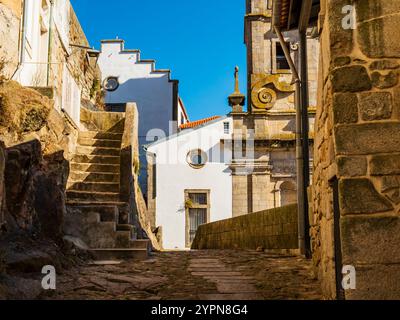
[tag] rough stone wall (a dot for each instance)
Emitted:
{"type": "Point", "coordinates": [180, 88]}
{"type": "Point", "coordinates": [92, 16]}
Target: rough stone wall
{"type": "Point", "coordinates": [2, 189]}
{"type": "Point", "coordinates": [358, 143]}
{"type": "Point", "coordinates": [271, 229]}
{"type": "Point", "coordinates": [39, 145]}
{"type": "Point", "coordinates": [81, 67]}
{"type": "Point", "coordinates": [10, 17]}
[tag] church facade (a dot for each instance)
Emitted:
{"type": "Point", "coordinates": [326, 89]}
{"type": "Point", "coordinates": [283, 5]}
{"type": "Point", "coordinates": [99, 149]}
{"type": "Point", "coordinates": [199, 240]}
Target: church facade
{"type": "Point", "coordinates": [264, 172]}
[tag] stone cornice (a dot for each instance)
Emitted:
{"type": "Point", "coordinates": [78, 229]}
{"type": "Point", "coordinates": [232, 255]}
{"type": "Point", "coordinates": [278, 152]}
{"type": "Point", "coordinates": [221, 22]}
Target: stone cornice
{"type": "Point", "coordinates": [258, 16]}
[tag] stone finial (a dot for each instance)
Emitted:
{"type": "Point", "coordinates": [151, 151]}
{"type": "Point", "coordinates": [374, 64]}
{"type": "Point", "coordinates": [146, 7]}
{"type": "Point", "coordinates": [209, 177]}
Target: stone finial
{"type": "Point", "coordinates": [237, 99]}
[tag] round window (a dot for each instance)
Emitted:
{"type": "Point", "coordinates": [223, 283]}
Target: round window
{"type": "Point", "coordinates": [197, 159]}
{"type": "Point", "coordinates": [111, 84]}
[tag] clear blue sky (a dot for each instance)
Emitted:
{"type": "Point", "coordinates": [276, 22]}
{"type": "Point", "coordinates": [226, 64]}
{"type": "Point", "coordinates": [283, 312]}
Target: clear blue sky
{"type": "Point", "coordinates": [200, 41]}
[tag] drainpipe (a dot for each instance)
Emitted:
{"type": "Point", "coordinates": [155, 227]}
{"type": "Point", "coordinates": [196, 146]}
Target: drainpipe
{"type": "Point", "coordinates": [49, 58]}
{"type": "Point", "coordinates": [305, 136]}
{"type": "Point", "coordinates": [302, 199]}
{"type": "Point", "coordinates": [21, 42]}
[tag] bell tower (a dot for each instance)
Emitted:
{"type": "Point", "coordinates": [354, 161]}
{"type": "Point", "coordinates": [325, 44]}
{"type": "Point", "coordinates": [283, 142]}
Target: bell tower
{"type": "Point", "coordinates": [264, 172]}
{"type": "Point", "coordinates": [269, 75]}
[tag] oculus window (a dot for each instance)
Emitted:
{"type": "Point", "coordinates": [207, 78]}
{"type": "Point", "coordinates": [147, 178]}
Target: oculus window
{"type": "Point", "coordinates": [197, 159]}
{"type": "Point", "coordinates": [111, 84]}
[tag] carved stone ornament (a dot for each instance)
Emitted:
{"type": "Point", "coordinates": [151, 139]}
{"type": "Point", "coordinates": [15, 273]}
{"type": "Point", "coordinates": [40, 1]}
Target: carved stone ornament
{"type": "Point", "coordinates": [263, 96]}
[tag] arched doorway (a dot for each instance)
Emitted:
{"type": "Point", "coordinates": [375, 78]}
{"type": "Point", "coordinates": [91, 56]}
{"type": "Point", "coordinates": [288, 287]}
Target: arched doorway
{"type": "Point", "coordinates": [288, 193]}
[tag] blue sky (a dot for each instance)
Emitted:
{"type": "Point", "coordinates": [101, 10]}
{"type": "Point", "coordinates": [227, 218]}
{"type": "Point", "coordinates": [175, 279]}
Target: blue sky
{"type": "Point", "coordinates": [200, 41]}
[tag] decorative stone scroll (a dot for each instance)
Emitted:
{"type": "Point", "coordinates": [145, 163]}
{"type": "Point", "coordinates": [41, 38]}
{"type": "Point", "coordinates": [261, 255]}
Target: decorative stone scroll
{"type": "Point", "coordinates": [263, 96]}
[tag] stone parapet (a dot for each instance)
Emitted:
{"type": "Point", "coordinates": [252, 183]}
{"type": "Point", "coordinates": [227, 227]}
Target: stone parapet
{"type": "Point", "coordinates": [269, 230]}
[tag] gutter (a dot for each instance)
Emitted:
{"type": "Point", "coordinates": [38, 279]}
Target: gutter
{"type": "Point", "coordinates": [302, 198]}
{"type": "Point", "coordinates": [302, 122]}
{"type": "Point", "coordinates": [21, 40]}
{"type": "Point", "coordinates": [50, 41]}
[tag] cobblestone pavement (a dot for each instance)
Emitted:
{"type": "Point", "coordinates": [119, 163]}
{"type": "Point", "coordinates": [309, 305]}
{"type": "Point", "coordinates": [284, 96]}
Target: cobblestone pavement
{"type": "Point", "coordinates": [207, 275]}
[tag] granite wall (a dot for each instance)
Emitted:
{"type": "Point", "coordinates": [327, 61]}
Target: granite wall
{"type": "Point", "coordinates": [270, 229]}
{"type": "Point", "coordinates": [356, 193]}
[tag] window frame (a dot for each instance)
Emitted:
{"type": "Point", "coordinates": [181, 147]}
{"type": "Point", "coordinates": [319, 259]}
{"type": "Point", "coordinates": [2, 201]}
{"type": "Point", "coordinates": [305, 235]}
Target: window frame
{"type": "Point", "coordinates": [227, 127]}
{"type": "Point", "coordinates": [201, 153]}
{"type": "Point", "coordinates": [188, 192]}
{"type": "Point", "coordinates": [275, 70]}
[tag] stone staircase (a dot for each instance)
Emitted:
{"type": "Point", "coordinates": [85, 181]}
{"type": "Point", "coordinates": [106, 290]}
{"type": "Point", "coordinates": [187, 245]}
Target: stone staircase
{"type": "Point", "coordinates": [93, 199]}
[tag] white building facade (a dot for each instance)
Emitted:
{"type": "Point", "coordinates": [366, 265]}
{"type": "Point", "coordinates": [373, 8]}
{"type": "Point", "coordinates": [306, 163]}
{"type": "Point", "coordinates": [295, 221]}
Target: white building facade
{"type": "Point", "coordinates": [128, 78]}
{"type": "Point", "coordinates": [44, 55]}
{"type": "Point", "coordinates": [190, 181]}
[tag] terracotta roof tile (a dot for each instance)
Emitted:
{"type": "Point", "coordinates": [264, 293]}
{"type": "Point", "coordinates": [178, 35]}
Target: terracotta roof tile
{"type": "Point", "coordinates": [194, 124]}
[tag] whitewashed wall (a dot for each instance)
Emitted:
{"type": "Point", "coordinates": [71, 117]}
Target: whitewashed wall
{"type": "Point", "coordinates": [174, 176]}
{"type": "Point", "coordinates": [152, 91]}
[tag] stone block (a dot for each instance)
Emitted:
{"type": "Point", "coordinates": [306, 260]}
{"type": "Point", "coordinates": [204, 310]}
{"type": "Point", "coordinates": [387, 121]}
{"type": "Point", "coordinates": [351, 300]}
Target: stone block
{"type": "Point", "coordinates": [359, 196]}
{"type": "Point", "coordinates": [369, 9]}
{"type": "Point", "coordinates": [376, 282]}
{"type": "Point", "coordinates": [342, 61]}
{"type": "Point", "coordinates": [384, 65]}
{"type": "Point", "coordinates": [345, 108]}
{"type": "Point", "coordinates": [370, 240]}
{"type": "Point", "coordinates": [351, 79]}
{"type": "Point", "coordinates": [385, 165]}
{"type": "Point", "coordinates": [391, 188]}
{"type": "Point", "coordinates": [384, 81]}
{"type": "Point", "coordinates": [341, 40]}
{"type": "Point", "coordinates": [376, 106]}
{"type": "Point", "coordinates": [368, 138]}
{"type": "Point", "coordinates": [352, 166]}
{"type": "Point", "coordinates": [376, 38]}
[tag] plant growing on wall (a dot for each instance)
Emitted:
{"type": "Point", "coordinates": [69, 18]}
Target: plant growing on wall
{"type": "Point", "coordinates": [3, 63]}
{"type": "Point", "coordinates": [189, 203]}
{"type": "Point", "coordinates": [136, 166]}
{"type": "Point", "coordinates": [95, 89]}
{"type": "Point", "coordinates": [97, 94]}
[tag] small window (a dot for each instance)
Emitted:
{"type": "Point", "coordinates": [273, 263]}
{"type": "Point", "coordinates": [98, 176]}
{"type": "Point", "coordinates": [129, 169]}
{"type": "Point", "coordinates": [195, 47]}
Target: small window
{"type": "Point", "coordinates": [111, 84]}
{"type": "Point", "coordinates": [281, 62]}
{"type": "Point", "coordinates": [197, 159]}
{"type": "Point", "coordinates": [227, 127]}
{"type": "Point", "coordinates": [197, 212]}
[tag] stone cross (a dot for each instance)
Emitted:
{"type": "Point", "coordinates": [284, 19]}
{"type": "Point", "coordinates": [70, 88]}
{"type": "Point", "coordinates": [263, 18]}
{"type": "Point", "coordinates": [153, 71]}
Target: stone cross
{"type": "Point", "coordinates": [236, 99]}
{"type": "Point", "coordinates": [237, 80]}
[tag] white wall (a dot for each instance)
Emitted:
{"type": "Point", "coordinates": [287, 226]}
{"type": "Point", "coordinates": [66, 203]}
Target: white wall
{"type": "Point", "coordinates": [174, 176]}
{"type": "Point", "coordinates": [34, 64]}
{"type": "Point", "coordinates": [152, 92]}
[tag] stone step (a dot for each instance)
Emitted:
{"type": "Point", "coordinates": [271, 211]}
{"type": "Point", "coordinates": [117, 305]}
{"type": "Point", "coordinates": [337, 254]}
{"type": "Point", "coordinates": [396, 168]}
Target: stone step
{"type": "Point", "coordinates": [89, 167]}
{"type": "Point", "coordinates": [125, 227]}
{"type": "Point", "coordinates": [99, 143]}
{"type": "Point", "coordinates": [123, 239]}
{"type": "Point", "coordinates": [106, 213]}
{"type": "Point", "coordinates": [82, 158]}
{"type": "Point", "coordinates": [92, 196]}
{"type": "Point", "coordinates": [119, 254]}
{"type": "Point", "coordinates": [100, 135]}
{"type": "Point", "coordinates": [141, 244]}
{"type": "Point", "coordinates": [79, 176]}
{"type": "Point", "coordinates": [93, 186]}
{"type": "Point", "coordinates": [98, 151]}
{"type": "Point", "coordinates": [93, 203]}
